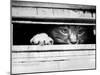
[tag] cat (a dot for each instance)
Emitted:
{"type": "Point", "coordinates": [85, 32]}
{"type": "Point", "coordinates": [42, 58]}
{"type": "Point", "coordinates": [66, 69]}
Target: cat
{"type": "Point", "coordinates": [61, 35]}
{"type": "Point", "coordinates": [69, 34]}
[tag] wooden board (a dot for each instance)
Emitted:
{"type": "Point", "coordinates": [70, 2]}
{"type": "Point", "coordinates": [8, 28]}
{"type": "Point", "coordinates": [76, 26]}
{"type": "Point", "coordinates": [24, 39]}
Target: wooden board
{"type": "Point", "coordinates": [32, 59]}
{"type": "Point", "coordinates": [32, 62]}
{"type": "Point", "coordinates": [50, 13]}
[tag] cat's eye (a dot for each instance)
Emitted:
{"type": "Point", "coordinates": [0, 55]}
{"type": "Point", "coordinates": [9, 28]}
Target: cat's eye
{"type": "Point", "coordinates": [80, 31]}
{"type": "Point", "coordinates": [64, 30]}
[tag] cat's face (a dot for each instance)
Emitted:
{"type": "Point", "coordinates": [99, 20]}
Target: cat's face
{"type": "Point", "coordinates": [68, 34]}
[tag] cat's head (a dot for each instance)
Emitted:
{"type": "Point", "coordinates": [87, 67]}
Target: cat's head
{"type": "Point", "coordinates": [76, 34]}
{"type": "Point", "coordinates": [69, 34]}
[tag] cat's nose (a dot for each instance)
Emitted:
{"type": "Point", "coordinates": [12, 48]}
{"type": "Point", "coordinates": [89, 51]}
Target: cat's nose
{"type": "Point", "coordinates": [74, 42]}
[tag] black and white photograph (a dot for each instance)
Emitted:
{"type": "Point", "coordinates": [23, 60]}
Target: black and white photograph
{"type": "Point", "coordinates": [52, 37]}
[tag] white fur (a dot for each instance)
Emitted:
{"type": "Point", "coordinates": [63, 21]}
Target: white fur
{"type": "Point", "coordinates": [41, 39]}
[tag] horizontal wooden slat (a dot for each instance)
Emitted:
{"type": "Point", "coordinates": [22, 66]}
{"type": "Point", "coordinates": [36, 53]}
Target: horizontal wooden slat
{"type": "Point", "coordinates": [50, 5]}
{"type": "Point", "coordinates": [32, 62]}
{"type": "Point", "coordinates": [52, 23]}
{"type": "Point", "coordinates": [51, 13]}
{"type": "Point", "coordinates": [28, 12]}
{"type": "Point", "coordinates": [49, 59]}
{"type": "Point", "coordinates": [52, 54]}
{"type": "Point", "coordinates": [43, 64]}
{"type": "Point", "coordinates": [52, 47]}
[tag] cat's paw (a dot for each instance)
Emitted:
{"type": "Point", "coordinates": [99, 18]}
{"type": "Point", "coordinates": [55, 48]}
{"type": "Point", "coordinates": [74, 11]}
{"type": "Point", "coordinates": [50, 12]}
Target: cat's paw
{"type": "Point", "coordinates": [41, 39]}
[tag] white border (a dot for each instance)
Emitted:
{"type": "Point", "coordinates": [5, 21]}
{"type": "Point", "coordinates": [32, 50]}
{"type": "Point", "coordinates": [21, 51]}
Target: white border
{"type": "Point", "coordinates": [5, 37]}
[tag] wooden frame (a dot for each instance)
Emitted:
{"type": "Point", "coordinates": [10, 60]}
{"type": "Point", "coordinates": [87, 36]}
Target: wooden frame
{"type": "Point", "coordinates": [22, 55]}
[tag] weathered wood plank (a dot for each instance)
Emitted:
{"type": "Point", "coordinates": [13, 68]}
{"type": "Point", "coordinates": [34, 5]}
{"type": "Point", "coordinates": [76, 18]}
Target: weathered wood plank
{"type": "Point", "coordinates": [51, 5]}
{"type": "Point", "coordinates": [52, 47]}
{"type": "Point", "coordinates": [24, 12]}
{"type": "Point", "coordinates": [50, 13]}
{"type": "Point", "coordinates": [73, 61]}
